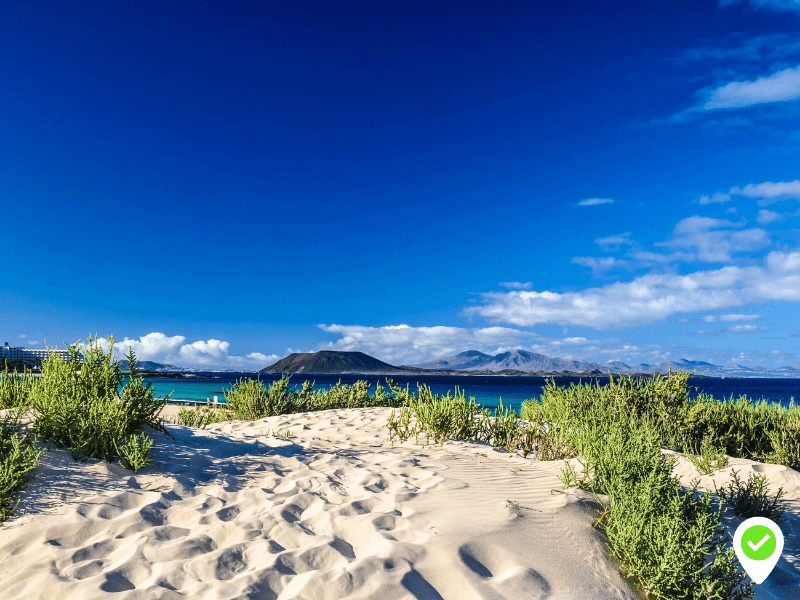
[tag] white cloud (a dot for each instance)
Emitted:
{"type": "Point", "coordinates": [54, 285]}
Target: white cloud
{"type": "Point", "coordinates": [776, 5]}
{"type": "Point", "coordinates": [765, 217]}
{"type": "Point", "coordinates": [597, 265]}
{"type": "Point", "coordinates": [711, 242]}
{"type": "Point", "coordinates": [719, 197]}
{"type": "Point", "coordinates": [697, 224]}
{"type": "Point", "coordinates": [743, 329]}
{"type": "Point", "coordinates": [516, 285]}
{"type": "Point", "coordinates": [211, 354]}
{"type": "Point", "coordinates": [595, 201]}
{"type": "Point", "coordinates": [403, 344]}
{"type": "Point", "coordinates": [782, 86]}
{"type": "Point", "coordinates": [770, 192]}
{"type": "Point", "coordinates": [612, 243]}
{"type": "Point", "coordinates": [570, 341]}
{"type": "Point", "coordinates": [739, 50]}
{"type": "Point", "coordinates": [649, 298]}
{"type": "Point", "coordinates": [204, 353]}
{"type": "Point", "coordinates": [730, 318]}
{"type": "Point", "coordinates": [662, 259]}
{"type": "Point", "coordinates": [154, 346]}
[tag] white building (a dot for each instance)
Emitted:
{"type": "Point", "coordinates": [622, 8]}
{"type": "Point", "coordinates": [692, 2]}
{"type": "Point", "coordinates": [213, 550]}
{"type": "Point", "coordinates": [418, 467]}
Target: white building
{"type": "Point", "coordinates": [28, 354]}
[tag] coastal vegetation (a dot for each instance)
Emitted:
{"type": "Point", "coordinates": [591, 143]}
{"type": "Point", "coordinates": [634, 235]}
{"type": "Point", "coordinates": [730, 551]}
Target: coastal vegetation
{"type": "Point", "coordinates": [670, 540]}
{"type": "Point", "coordinates": [251, 399]}
{"type": "Point", "coordinates": [84, 406]}
{"type": "Point", "coordinates": [19, 457]}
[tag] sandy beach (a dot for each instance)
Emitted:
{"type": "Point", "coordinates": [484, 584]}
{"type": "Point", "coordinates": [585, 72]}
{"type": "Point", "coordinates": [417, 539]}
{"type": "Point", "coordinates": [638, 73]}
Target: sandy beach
{"type": "Point", "coordinates": [332, 511]}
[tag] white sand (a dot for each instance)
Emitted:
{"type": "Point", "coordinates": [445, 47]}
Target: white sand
{"type": "Point", "coordinates": [331, 512]}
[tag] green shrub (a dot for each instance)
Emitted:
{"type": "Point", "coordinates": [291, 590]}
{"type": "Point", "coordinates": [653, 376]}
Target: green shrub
{"type": "Point", "coordinates": [135, 452]}
{"type": "Point", "coordinates": [251, 400]}
{"type": "Point", "coordinates": [340, 396]}
{"type": "Point", "coordinates": [84, 406]}
{"type": "Point", "coordinates": [15, 388]}
{"type": "Point", "coordinates": [764, 431]}
{"type": "Point", "coordinates": [401, 427]}
{"type": "Point", "coordinates": [443, 418]}
{"type": "Point", "coordinates": [671, 541]}
{"type": "Point", "coordinates": [346, 396]}
{"type": "Point", "coordinates": [752, 499]}
{"type": "Point", "coordinates": [784, 441]}
{"type": "Point", "coordinates": [202, 416]}
{"type": "Point", "coordinates": [568, 475]}
{"type": "Point", "coordinates": [19, 457]}
{"type": "Point", "coordinates": [709, 460]}
{"type": "Point", "coordinates": [502, 429]}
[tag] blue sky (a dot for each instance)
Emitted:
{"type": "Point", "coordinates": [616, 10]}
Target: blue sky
{"type": "Point", "coordinates": [219, 184]}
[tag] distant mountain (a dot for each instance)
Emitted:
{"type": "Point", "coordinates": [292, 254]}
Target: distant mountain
{"type": "Point", "coordinates": [148, 365]}
{"type": "Point", "coordinates": [463, 361]}
{"type": "Point", "coordinates": [330, 361]}
{"type": "Point", "coordinates": [516, 360]}
{"type": "Point", "coordinates": [530, 362]}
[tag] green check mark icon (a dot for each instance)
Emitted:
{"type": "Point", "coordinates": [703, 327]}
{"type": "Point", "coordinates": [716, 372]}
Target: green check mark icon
{"type": "Point", "coordinates": [758, 542]}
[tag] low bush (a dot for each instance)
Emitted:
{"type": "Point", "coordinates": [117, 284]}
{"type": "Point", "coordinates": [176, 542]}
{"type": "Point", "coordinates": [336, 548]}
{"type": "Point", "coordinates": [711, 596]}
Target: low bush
{"type": "Point", "coordinates": [134, 453]}
{"type": "Point", "coordinates": [15, 388]}
{"type": "Point", "coordinates": [19, 457]}
{"type": "Point", "coordinates": [454, 417]}
{"type": "Point", "coordinates": [84, 406]}
{"type": "Point", "coordinates": [752, 499]}
{"type": "Point", "coordinates": [401, 426]}
{"type": "Point", "coordinates": [251, 399]}
{"type": "Point", "coordinates": [202, 416]}
{"type": "Point", "coordinates": [763, 431]}
{"type": "Point", "coordinates": [708, 460]}
{"type": "Point", "coordinates": [784, 441]}
{"type": "Point", "coordinates": [447, 417]}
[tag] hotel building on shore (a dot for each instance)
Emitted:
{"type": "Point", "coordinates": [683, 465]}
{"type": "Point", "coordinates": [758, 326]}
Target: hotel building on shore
{"type": "Point", "coordinates": [12, 353]}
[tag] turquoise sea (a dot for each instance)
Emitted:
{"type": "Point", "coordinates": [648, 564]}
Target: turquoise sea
{"type": "Point", "coordinates": [486, 390]}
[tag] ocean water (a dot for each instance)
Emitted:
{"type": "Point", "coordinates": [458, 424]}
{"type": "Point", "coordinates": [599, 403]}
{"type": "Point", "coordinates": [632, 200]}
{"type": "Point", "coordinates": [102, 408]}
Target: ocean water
{"type": "Point", "coordinates": [486, 390]}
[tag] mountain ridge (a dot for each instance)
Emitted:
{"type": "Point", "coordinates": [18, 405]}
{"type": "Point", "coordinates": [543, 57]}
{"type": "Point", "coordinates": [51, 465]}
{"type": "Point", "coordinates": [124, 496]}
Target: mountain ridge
{"type": "Point", "coordinates": [523, 360]}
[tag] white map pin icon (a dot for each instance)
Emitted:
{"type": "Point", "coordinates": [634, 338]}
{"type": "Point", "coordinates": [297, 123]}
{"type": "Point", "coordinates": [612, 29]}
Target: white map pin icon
{"type": "Point", "coordinates": [758, 543]}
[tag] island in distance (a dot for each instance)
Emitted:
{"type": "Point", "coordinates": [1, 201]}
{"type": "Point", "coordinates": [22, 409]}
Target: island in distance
{"type": "Point", "coordinates": [513, 363]}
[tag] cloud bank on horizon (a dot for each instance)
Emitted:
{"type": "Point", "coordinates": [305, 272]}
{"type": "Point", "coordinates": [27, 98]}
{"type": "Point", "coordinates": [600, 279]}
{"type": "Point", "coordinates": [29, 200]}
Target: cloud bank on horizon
{"type": "Point", "coordinates": [173, 350]}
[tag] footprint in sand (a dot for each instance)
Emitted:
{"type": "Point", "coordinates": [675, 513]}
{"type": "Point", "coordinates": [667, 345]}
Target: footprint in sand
{"type": "Point", "coordinates": [496, 570]}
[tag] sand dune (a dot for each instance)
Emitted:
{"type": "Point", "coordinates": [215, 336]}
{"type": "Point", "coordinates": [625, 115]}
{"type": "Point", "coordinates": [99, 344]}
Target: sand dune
{"type": "Point", "coordinates": [331, 512]}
